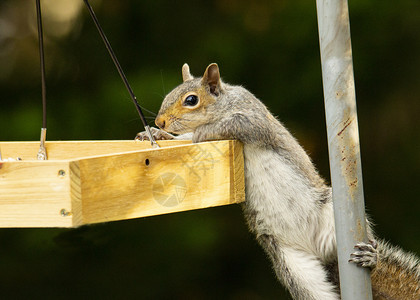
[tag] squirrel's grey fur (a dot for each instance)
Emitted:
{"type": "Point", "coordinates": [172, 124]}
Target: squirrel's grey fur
{"type": "Point", "coordinates": [288, 206]}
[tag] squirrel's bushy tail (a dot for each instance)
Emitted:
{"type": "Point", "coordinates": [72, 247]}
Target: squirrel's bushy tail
{"type": "Point", "coordinates": [397, 274]}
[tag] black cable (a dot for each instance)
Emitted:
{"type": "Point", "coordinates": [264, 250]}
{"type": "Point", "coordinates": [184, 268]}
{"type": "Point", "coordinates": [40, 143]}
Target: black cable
{"type": "Point", "coordinates": [42, 63]}
{"type": "Point", "coordinates": [120, 70]}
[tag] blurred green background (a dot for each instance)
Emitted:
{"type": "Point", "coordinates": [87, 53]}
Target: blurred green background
{"type": "Point", "coordinates": [271, 48]}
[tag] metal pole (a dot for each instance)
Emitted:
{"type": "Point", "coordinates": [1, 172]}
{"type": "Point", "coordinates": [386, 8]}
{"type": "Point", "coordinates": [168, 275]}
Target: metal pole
{"type": "Point", "coordinates": [343, 144]}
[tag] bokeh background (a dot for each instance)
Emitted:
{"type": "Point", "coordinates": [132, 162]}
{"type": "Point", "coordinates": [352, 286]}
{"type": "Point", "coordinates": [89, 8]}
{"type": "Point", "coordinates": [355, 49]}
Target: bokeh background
{"type": "Point", "coordinates": [271, 48]}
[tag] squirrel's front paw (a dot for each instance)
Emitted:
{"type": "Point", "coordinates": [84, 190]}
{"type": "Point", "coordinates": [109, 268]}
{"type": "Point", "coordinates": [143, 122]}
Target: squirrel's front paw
{"type": "Point", "coordinates": [366, 255]}
{"type": "Point", "coordinates": [202, 134]}
{"type": "Point", "coordinates": [158, 134]}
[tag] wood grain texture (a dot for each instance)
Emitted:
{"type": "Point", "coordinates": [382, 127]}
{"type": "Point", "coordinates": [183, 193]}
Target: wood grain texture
{"type": "Point", "coordinates": [237, 172]}
{"type": "Point", "coordinates": [67, 150]}
{"type": "Point", "coordinates": [160, 181]}
{"type": "Point", "coordinates": [116, 186]}
{"type": "Point", "coordinates": [32, 194]}
{"type": "Point", "coordinates": [75, 194]}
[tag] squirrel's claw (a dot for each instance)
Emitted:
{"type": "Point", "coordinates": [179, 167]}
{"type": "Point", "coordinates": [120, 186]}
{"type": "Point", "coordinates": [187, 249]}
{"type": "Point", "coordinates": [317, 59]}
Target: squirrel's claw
{"type": "Point", "coordinates": [366, 255]}
{"type": "Point", "coordinates": [158, 134]}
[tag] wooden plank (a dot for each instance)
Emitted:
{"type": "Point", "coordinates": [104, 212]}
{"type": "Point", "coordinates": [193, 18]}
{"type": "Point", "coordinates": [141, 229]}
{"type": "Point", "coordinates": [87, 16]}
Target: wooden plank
{"type": "Point", "coordinates": [68, 150]}
{"type": "Point", "coordinates": [75, 195]}
{"type": "Point", "coordinates": [161, 181]}
{"type": "Point", "coordinates": [33, 194]}
{"type": "Point", "coordinates": [73, 192]}
{"type": "Point", "coordinates": [237, 172]}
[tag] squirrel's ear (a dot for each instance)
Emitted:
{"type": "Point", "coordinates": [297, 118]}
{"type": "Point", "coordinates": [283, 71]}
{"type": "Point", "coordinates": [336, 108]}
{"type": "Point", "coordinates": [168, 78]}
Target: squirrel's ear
{"type": "Point", "coordinates": [186, 75]}
{"type": "Point", "coordinates": [212, 78]}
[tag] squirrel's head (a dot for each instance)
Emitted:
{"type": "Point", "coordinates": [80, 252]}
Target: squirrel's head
{"type": "Point", "coordinates": [187, 106]}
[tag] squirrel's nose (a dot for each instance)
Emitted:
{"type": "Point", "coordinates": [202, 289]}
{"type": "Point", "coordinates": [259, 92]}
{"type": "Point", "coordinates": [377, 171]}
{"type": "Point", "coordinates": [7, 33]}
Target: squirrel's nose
{"type": "Point", "coordinates": [160, 122]}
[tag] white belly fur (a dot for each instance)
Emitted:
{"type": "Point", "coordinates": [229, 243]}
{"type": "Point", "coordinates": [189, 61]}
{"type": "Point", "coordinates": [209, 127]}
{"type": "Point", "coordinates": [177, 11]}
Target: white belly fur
{"type": "Point", "coordinates": [286, 205]}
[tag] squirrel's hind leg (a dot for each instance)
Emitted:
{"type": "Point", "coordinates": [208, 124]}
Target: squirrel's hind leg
{"type": "Point", "coordinates": [301, 272]}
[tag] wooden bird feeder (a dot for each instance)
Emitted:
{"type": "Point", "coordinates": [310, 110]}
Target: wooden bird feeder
{"type": "Point", "coordinates": [101, 181]}
{"type": "Point", "coordinates": [88, 182]}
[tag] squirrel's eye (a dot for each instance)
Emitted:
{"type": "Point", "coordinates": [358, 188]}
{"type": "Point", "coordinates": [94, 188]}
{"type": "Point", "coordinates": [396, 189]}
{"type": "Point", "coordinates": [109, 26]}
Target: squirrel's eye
{"type": "Point", "coordinates": [191, 100]}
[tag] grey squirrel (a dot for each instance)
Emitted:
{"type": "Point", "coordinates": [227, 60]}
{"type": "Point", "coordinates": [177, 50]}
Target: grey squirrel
{"type": "Point", "coordinates": [288, 205]}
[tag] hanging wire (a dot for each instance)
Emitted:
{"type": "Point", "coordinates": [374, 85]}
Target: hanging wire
{"type": "Point", "coordinates": [121, 72]}
{"type": "Point", "coordinates": [42, 152]}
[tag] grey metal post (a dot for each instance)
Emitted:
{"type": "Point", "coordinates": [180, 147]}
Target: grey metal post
{"type": "Point", "coordinates": [343, 144]}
